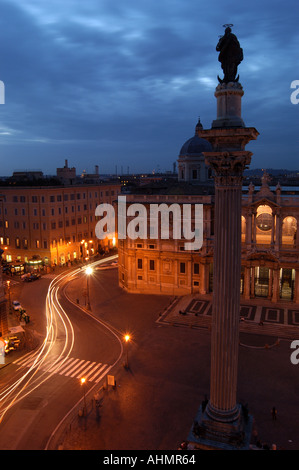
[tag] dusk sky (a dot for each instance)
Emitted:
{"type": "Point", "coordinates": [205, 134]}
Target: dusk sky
{"type": "Point", "coordinates": [122, 83]}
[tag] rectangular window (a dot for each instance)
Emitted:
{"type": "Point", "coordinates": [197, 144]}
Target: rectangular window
{"type": "Point", "coordinates": [152, 265]}
{"type": "Point", "coordinates": [196, 268]}
{"type": "Point", "coordinates": [182, 268]}
{"type": "Point", "coordinates": [139, 263]}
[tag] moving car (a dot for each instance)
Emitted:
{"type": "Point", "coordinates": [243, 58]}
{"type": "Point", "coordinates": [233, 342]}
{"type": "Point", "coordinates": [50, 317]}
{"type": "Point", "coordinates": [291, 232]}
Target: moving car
{"type": "Point", "coordinates": [16, 305]}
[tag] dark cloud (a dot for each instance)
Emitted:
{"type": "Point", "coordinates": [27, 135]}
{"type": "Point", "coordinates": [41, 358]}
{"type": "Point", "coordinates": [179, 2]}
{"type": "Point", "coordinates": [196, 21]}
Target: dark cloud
{"type": "Point", "coordinates": [123, 83]}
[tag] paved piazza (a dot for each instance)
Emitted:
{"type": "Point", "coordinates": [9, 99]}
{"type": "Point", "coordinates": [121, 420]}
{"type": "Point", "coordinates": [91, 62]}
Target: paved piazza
{"type": "Point", "coordinates": [257, 316]}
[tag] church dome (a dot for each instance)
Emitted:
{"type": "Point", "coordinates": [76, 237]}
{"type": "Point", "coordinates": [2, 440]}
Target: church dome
{"type": "Point", "coordinates": [192, 167]}
{"type": "Point", "coordinates": [196, 145]}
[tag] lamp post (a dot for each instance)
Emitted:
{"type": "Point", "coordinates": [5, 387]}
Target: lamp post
{"type": "Point", "coordinates": [88, 271]}
{"type": "Point", "coordinates": [83, 382]}
{"type": "Point", "coordinates": [127, 339]}
{"type": "Point", "coordinates": [9, 297]}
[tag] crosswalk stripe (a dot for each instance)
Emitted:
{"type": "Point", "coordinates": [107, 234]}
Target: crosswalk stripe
{"type": "Point", "coordinates": [48, 363]}
{"type": "Point", "coordinates": [92, 370]}
{"type": "Point", "coordinates": [69, 367]}
{"type": "Point", "coordinates": [29, 362]}
{"type": "Point", "coordinates": [97, 373]}
{"type": "Point", "coordinates": [56, 364]}
{"type": "Point", "coordinates": [101, 376]}
{"type": "Point", "coordinates": [75, 367]}
{"type": "Point", "coordinates": [87, 368]}
{"type": "Point", "coordinates": [71, 363]}
{"type": "Point", "coordinates": [25, 360]}
{"type": "Point", "coordinates": [80, 368]}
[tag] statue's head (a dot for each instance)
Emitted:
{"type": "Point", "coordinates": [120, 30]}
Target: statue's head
{"type": "Point", "coordinates": [228, 30]}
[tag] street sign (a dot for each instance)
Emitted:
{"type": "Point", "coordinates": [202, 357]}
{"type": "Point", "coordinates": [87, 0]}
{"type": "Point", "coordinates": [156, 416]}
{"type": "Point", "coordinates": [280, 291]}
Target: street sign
{"type": "Point", "coordinates": [111, 380]}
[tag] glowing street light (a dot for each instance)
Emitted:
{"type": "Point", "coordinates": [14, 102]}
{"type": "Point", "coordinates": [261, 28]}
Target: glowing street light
{"type": "Point", "coordinates": [88, 272]}
{"type": "Point", "coordinates": [127, 339]}
{"type": "Point", "coordinates": [83, 382]}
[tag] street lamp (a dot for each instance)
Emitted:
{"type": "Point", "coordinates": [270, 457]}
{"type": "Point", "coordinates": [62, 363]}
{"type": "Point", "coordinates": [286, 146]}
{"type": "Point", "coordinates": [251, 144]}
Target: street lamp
{"type": "Point", "coordinates": [88, 272]}
{"type": "Point", "coordinates": [83, 382]}
{"type": "Point", "coordinates": [127, 339]}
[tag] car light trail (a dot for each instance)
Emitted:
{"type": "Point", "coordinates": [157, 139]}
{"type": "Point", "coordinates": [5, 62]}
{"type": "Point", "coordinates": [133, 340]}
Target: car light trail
{"type": "Point", "coordinates": [56, 320]}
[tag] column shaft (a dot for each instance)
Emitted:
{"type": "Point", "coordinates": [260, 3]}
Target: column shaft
{"type": "Point", "coordinates": [226, 300]}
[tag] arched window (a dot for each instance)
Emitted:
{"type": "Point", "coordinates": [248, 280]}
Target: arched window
{"type": "Point", "coordinates": [243, 228]}
{"type": "Point", "coordinates": [289, 230]}
{"type": "Point", "coordinates": [264, 224]}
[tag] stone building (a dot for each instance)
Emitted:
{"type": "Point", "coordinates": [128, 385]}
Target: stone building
{"type": "Point", "coordinates": [51, 224]}
{"type": "Point", "coordinates": [270, 246]}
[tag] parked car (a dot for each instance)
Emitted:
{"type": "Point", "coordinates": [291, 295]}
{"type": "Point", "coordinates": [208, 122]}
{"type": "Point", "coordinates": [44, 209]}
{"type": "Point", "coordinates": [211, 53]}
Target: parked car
{"type": "Point", "coordinates": [16, 305]}
{"type": "Point", "coordinates": [32, 277]}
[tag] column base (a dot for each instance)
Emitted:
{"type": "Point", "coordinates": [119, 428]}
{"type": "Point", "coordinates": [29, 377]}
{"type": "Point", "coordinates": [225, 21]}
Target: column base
{"type": "Point", "coordinates": [209, 434]}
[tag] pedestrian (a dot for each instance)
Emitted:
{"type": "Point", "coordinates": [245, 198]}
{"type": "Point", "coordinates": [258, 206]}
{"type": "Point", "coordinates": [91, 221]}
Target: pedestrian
{"type": "Point", "coordinates": [274, 413]}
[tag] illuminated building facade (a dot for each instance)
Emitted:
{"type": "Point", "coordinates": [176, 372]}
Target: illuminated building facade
{"type": "Point", "coordinates": [51, 225]}
{"type": "Point", "coordinates": [270, 246]}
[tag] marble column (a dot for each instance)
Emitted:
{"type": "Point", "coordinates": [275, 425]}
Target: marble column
{"type": "Point", "coordinates": [226, 300]}
{"type": "Point", "coordinates": [222, 420]}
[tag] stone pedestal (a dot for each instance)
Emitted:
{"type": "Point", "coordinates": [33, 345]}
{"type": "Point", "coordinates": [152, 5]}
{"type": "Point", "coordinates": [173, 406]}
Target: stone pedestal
{"type": "Point", "coordinates": [223, 421]}
{"type": "Point", "coordinates": [209, 434]}
{"type": "Point", "coordinates": [229, 105]}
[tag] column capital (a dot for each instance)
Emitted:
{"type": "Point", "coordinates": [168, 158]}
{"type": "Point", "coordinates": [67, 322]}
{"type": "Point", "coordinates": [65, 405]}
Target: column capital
{"type": "Point", "coordinates": [228, 166]}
